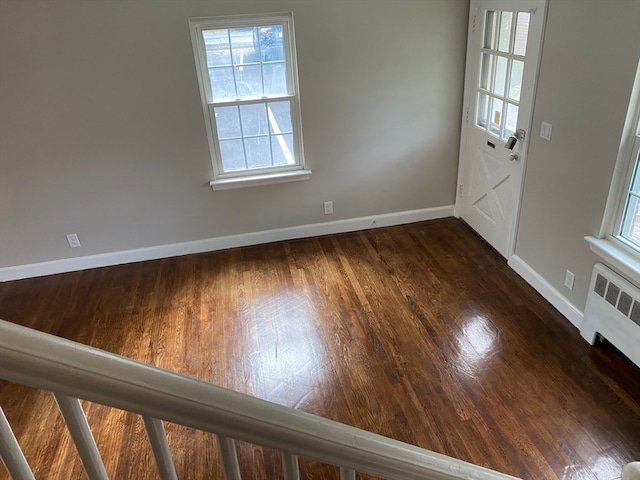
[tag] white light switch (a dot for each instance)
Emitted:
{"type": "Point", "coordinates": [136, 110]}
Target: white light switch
{"type": "Point", "coordinates": [545, 130]}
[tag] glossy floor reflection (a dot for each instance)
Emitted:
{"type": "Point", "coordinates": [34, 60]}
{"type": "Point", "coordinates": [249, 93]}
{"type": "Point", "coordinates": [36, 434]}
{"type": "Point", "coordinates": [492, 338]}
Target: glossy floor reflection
{"type": "Point", "coordinates": [418, 332]}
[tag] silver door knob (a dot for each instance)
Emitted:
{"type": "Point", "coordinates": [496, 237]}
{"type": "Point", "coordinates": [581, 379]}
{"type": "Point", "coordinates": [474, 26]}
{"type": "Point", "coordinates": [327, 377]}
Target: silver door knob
{"type": "Point", "coordinates": [514, 156]}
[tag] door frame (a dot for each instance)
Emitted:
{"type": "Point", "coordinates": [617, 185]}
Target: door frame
{"type": "Point", "coordinates": [474, 17]}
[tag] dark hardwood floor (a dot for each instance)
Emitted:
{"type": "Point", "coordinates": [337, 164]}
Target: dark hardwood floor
{"type": "Point", "coordinates": [418, 332]}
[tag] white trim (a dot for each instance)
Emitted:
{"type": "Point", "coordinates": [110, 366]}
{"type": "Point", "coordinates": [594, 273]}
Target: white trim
{"type": "Point", "coordinates": [548, 291]}
{"type": "Point", "coordinates": [257, 180]}
{"type": "Point", "coordinates": [617, 257]}
{"type": "Point", "coordinates": [220, 243]}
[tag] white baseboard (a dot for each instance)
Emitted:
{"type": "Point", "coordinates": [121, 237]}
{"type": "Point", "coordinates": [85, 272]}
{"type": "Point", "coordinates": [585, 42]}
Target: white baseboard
{"type": "Point", "coordinates": [220, 243]}
{"type": "Point", "coordinates": [544, 288]}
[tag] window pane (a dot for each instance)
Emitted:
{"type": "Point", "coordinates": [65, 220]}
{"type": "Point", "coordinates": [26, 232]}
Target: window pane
{"type": "Point", "coordinates": [279, 114]}
{"type": "Point", "coordinates": [635, 185]}
{"type": "Point", "coordinates": [489, 30]}
{"type": "Point", "coordinates": [282, 147]}
{"type": "Point", "coordinates": [275, 78]}
{"type": "Point", "coordinates": [501, 76]}
{"type": "Point", "coordinates": [504, 32]}
{"type": "Point", "coordinates": [249, 81]}
{"type": "Point", "coordinates": [258, 152]}
{"type": "Point", "coordinates": [482, 110]}
{"type": "Point", "coordinates": [216, 44]}
{"type": "Point", "coordinates": [242, 45]}
{"type": "Point", "coordinates": [227, 122]}
{"type": "Point", "coordinates": [496, 116]}
{"type": "Point", "coordinates": [232, 153]}
{"type": "Point", "coordinates": [522, 32]}
{"type": "Point", "coordinates": [222, 83]}
{"type": "Point", "coordinates": [631, 224]}
{"type": "Point", "coordinates": [511, 120]}
{"type": "Point", "coordinates": [246, 62]}
{"type": "Point", "coordinates": [271, 43]}
{"type": "Point", "coordinates": [515, 80]}
{"type": "Point", "coordinates": [485, 70]}
{"type": "Point", "coordinates": [254, 119]}
{"type": "Point", "coordinates": [630, 228]}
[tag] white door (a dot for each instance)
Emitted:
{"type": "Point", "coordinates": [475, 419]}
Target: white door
{"type": "Point", "coordinates": [503, 51]}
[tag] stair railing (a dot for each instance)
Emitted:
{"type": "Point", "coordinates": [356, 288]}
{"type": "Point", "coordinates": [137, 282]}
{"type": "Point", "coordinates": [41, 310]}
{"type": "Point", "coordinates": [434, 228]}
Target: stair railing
{"type": "Point", "coordinates": [71, 371]}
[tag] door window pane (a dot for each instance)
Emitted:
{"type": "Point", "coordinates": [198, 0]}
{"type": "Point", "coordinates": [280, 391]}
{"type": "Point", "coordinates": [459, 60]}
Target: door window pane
{"type": "Point", "coordinates": [500, 80]}
{"type": "Point", "coordinates": [522, 33]}
{"type": "Point", "coordinates": [515, 80]}
{"type": "Point", "coordinates": [504, 32]}
{"type": "Point", "coordinates": [482, 110]}
{"type": "Point", "coordinates": [511, 120]}
{"type": "Point", "coordinates": [489, 30]}
{"type": "Point", "coordinates": [485, 70]}
{"type": "Point", "coordinates": [496, 116]}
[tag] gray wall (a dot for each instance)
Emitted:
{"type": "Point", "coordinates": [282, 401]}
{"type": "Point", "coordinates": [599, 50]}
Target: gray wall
{"type": "Point", "coordinates": [102, 133]}
{"type": "Point", "coordinates": [590, 54]}
{"type": "Point", "coordinates": [101, 130]}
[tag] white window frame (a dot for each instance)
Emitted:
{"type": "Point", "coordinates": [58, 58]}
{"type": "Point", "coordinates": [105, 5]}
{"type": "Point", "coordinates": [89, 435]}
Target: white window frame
{"type": "Point", "coordinates": [615, 250]}
{"type": "Point", "coordinates": [257, 176]}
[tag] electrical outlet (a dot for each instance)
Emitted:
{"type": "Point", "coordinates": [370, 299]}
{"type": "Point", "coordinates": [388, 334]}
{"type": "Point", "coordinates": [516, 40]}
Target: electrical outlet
{"type": "Point", "coordinates": [328, 208]}
{"type": "Point", "coordinates": [74, 241]}
{"type": "Point", "coordinates": [569, 278]}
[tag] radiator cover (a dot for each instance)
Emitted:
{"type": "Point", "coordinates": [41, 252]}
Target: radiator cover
{"type": "Point", "coordinates": [613, 311]}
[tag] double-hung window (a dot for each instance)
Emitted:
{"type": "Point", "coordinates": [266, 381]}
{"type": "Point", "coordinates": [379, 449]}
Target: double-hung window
{"type": "Point", "coordinates": [248, 81]}
{"type": "Point", "coordinates": [619, 238]}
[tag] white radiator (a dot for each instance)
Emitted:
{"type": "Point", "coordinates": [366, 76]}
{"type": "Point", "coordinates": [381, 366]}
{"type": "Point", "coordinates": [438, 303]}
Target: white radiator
{"type": "Point", "coordinates": [613, 311]}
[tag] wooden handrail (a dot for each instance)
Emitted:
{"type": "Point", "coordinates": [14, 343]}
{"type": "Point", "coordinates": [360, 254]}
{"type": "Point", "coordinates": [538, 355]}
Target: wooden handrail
{"type": "Point", "coordinates": [51, 363]}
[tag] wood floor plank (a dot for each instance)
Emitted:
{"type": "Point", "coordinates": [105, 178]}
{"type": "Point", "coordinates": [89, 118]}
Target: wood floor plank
{"type": "Point", "coordinates": [419, 332]}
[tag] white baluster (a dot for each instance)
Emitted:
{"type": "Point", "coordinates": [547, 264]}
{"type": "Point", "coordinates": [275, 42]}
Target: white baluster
{"type": "Point", "coordinates": [160, 448]}
{"type": "Point", "coordinates": [347, 474]}
{"type": "Point", "coordinates": [10, 452]}
{"type": "Point", "coordinates": [229, 458]}
{"type": "Point", "coordinates": [290, 467]}
{"type": "Point", "coordinates": [80, 432]}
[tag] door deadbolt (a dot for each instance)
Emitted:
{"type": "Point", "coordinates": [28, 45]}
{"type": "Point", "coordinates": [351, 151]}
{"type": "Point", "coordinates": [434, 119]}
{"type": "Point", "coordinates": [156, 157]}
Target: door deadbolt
{"type": "Point", "coordinates": [513, 139]}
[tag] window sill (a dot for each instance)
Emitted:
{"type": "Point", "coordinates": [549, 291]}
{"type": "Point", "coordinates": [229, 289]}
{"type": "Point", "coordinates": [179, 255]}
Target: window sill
{"type": "Point", "coordinates": [257, 180]}
{"type": "Point", "coordinates": [616, 256]}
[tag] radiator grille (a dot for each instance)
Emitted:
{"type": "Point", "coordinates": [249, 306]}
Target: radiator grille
{"type": "Point", "coordinates": [617, 297]}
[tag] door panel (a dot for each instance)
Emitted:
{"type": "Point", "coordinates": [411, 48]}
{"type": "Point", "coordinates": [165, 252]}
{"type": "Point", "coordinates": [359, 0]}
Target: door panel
{"type": "Point", "coordinates": [502, 61]}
